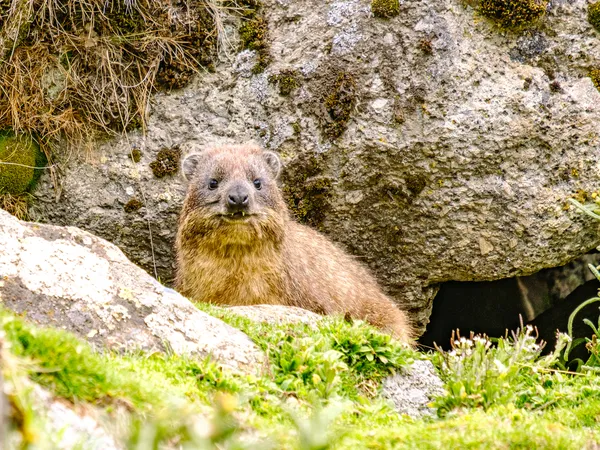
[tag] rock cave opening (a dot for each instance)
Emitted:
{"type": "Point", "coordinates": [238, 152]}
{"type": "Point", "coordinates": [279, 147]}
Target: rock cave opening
{"type": "Point", "coordinates": [544, 299]}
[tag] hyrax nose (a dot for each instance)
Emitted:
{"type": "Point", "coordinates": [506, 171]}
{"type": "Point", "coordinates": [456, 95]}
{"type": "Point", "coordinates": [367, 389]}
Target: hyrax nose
{"type": "Point", "coordinates": [237, 200]}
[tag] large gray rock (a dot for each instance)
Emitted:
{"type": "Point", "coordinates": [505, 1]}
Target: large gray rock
{"type": "Point", "coordinates": [70, 279]}
{"type": "Point", "coordinates": [463, 144]}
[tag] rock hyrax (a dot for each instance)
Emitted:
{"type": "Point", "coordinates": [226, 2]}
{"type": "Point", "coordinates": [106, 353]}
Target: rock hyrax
{"type": "Point", "coordinates": [237, 245]}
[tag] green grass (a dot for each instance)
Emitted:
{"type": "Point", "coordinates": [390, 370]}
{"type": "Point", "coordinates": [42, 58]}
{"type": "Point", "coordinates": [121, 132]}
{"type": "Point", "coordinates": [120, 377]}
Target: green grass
{"type": "Point", "coordinates": [320, 391]}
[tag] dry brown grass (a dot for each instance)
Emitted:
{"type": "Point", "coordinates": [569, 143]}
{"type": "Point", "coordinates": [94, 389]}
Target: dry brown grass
{"type": "Point", "coordinates": [17, 205]}
{"type": "Point", "coordinates": [76, 68]}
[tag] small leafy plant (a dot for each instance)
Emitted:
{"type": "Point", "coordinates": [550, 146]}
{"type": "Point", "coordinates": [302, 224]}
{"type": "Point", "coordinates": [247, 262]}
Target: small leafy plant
{"type": "Point", "coordinates": [480, 374]}
{"type": "Point", "coordinates": [304, 363]}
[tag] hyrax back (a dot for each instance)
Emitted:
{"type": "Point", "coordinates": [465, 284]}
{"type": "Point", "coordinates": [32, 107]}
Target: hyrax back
{"type": "Point", "coordinates": [237, 245]}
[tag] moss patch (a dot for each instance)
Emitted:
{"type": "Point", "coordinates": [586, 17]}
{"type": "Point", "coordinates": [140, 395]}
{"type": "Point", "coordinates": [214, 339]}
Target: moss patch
{"type": "Point", "coordinates": [595, 77]}
{"type": "Point", "coordinates": [339, 103]}
{"type": "Point", "coordinates": [416, 184]}
{"type": "Point", "coordinates": [286, 81]}
{"type": "Point", "coordinates": [19, 155]}
{"type": "Point", "coordinates": [594, 15]}
{"type": "Point", "coordinates": [306, 189]}
{"type": "Point", "coordinates": [513, 13]}
{"type": "Point", "coordinates": [133, 205]}
{"type": "Point", "coordinates": [136, 155]}
{"type": "Point", "coordinates": [166, 162]}
{"type": "Point", "coordinates": [254, 33]}
{"type": "Point", "coordinates": [385, 8]}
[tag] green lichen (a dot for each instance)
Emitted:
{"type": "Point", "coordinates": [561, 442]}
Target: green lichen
{"type": "Point", "coordinates": [19, 155]}
{"type": "Point", "coordinates": [594, 15]}
{"type": "Point", "coordinates": [286, 80]}
{"type": "Point", "coordinates": [595, 77]}
{"type": "Point", "coordinates": [166, 163]}
{"type": "Point", "coordinates": [133, 205]}
{"type": "Point", "coordinates": [339, 104]}
{"type": "Point", "coordinates": [385, 8]}
{"type": "Point", "coordinates": [513, 13]}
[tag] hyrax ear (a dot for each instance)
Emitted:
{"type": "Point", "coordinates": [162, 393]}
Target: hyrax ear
{"type": "Point", "coordinates": [273, 163]}
{"type": "Point", "coordinates": [190, 164]}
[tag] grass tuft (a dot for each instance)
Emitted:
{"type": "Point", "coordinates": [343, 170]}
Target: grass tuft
{"type": "Point", "coordinates": [77, 68]}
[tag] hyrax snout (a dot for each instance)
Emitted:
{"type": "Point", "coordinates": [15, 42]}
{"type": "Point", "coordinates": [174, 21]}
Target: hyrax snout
{"type": "Point", "coordinates": [237, 245]}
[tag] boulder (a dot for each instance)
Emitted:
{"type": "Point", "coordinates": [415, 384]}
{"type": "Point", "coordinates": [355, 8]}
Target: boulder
{"type": "Point", "coordinates": [434, 145]}
{"type": "Point", "coordinates": [68, 278]}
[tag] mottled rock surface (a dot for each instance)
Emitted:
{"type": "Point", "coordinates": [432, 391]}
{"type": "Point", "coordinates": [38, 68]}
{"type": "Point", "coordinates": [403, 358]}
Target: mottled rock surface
{"type": "Point", "coordinates": [413, 391]}
{"type": "Point", "coordinates": [433, 145]}
{"type": "Point", "coordinates": [68, 278]}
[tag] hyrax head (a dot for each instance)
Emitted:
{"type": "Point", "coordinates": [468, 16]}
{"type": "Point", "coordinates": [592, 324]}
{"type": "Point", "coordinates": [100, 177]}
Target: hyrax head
{"type": "Point", "coordinates": [233, 185]}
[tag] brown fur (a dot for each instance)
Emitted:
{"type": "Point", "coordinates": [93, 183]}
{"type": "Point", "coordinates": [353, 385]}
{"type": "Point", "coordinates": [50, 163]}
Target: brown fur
{"type": "Point", "coordinates": [269, 258]}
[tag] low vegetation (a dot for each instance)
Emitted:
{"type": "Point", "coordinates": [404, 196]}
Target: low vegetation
{"type": "Point", "coordinates": [321, 391]}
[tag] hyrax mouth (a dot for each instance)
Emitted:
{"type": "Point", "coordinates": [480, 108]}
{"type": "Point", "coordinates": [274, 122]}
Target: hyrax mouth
{"type": "Point", "coordinates": [237, 216]}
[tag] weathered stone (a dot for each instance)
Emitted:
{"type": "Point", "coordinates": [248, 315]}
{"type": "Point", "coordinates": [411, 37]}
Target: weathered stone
{"type": "Point", "coordinates": [455, 163]}
{"type": "Point", "coordinates": [413, 391]}
{"type": "Point", "coordinates": [70, 279]}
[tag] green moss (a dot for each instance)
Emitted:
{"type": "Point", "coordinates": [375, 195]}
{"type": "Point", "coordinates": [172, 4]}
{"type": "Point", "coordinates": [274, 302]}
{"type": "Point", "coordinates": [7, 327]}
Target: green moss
{"type": "Point", "coordinates": [166, 163]}
{"type": "Point", "coordinates": [339, 104]}
{"type": "Point", "coordinates": [595, 77]}
{"type": "Point", "coordinates": [416, 183]}
{"type": "Point", "coordinates": [136, 155]}
{"type": "Point", "coordinates": [594, 15]}
{"type": "Point", "coordinates": [19, 155]}
{"type": "Point", "coordinates": [306, 189]}
{"type": "Point", "coordinates": [133, 205]}
{"type": "Point", "coordinates": [286, 80]}
{"type": "Point", "coordinates": [254, 35]}
{"type": "Point", "coordinates": [297, 128]}
{"type": "Point", "coordinates": [385, 8]}
{"type": "Point", "coordinates": [513, 13]}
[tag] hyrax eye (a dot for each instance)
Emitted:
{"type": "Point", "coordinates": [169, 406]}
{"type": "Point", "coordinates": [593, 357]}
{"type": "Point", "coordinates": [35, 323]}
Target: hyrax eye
{"type": "Point", "coordinates": [257, 184]}
{"type": "Point", "coordinates": [213, 184]}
